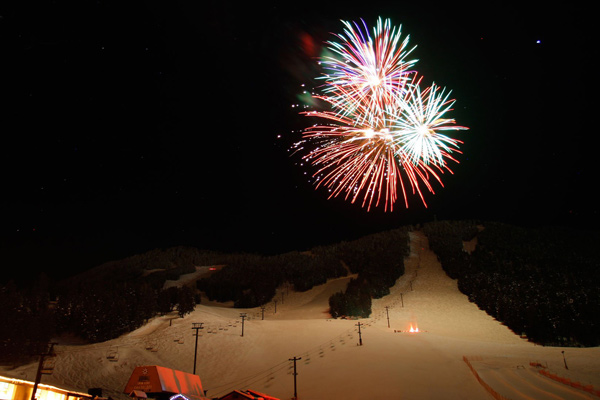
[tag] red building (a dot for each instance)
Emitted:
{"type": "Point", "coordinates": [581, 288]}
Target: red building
{"type": "Point", "coordinates": [162, 383]}
{"type": "Point", "coordinates": [247, 394]}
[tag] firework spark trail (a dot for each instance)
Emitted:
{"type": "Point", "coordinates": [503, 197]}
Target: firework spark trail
{"type": "Point", "coordinates": [358, 158]}
{"type": "Point", "coordinates": [369, 70]}
{"type": "Point", "coordinates": [420, 120]}
{"type": "Point", "coordinates": [382, 129]}
{"type": "Point", "coordinates": [368, 169]}
{"type": "Point", "coordinates": [354, 158]}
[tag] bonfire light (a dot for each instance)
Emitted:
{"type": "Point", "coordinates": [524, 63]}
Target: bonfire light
{"type": "Point", "coordinates": [414, 330]}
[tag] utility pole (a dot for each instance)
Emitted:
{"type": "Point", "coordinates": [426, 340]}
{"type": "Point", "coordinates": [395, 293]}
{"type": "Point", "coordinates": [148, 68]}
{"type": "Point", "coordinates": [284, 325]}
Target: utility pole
{"type": "Point", "coordinates": [197, 326]}
{"type": "Point", "coordinates": [564, 359]}
{"type": "Point", "coordinates": [295, 373]}
{"type": "Point", "coordinates": [262, 310]}
{"type": "Point", "coordinates": [38, 377]}
{"type": "Point", "coordinates": [275, 301]}
{"type": "Point", "coordinates": [387, 311]}
{"type": "Point", "coordinates": [359, 335]}
{"type": "Point", "coordinates": [402, 300]}
{"type": "Point", "coordinates": [243, 316]}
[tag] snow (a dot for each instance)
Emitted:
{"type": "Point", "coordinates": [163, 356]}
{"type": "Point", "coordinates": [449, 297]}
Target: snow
{"type": "Point", "coordinates": [187, 279]}
{"type": "Point", "coordinates": [391, 363]}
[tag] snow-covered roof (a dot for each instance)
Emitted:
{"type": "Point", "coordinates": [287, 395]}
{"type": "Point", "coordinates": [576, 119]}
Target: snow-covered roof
{"type": "Point", "coordinates": [157, 379]}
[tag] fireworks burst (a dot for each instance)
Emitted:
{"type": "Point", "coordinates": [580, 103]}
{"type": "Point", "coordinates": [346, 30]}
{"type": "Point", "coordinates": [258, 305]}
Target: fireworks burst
{"type": "Point", "coordinates": [367, 70]}
{"type": "Point", "coordinates": [383, 133]}
{"type": "Point", "coordinates": [419, 122]}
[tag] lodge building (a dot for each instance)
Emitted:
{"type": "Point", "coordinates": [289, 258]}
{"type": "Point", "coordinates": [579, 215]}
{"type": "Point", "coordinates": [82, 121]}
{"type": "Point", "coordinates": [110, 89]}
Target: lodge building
{"type": "Point", "coordinates": [19, 389]}
{"type": "Point", "coordinates": [146, 382]}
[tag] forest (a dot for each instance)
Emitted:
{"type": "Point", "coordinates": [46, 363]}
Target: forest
{"type": "Point", "coordinates": [120, 296]}
{"type": "Point", "coordinates": [377, 260]}
{"type": "Point", "coordinates": [541, 283]}
{"type": "Point", "coordinates": [96, 305]}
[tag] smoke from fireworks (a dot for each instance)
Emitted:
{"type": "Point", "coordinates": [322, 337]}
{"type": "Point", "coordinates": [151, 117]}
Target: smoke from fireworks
{"type": "Point", "coordinates": [383, 134]}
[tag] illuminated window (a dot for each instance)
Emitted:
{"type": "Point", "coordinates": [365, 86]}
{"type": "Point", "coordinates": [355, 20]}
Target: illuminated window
{"type": "Point", "coordinates": [6, 390]}
{"type": "Point", "coordinates": [50, 395]}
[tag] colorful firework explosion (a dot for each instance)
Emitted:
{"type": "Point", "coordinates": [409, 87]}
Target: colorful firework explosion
{"type": "Point", "coordinates": [383, 133]}
{"type": "Point", "coordinates": [367, 70]}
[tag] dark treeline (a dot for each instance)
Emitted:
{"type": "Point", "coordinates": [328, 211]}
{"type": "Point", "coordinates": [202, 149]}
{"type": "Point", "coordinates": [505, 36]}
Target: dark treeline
{"type": "Point", "coordinates": [252, 280]}
{"type": "Point", "coordinates": [539, 282]}
{"type": "Point", "coordinates": [120, 296]}
{"type": "Point", "coordinates": [378, 260]}
{"type": "Point", "coordinates": [94, 313]}
{"type": "Point", "coordinates": [155, 266]}
{"type": "Point", "coordinates": [97, 305]}
{"type": "Point", "coordinates": [27, 320]}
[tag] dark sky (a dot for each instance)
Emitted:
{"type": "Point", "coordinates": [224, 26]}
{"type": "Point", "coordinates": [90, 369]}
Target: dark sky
{"type": "Point", "coordinates": [153, 124]}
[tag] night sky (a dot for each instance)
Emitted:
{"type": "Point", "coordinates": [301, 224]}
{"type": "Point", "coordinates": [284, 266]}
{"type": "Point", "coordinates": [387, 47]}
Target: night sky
{"type": "Point", "coordinates": [127, 127]}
